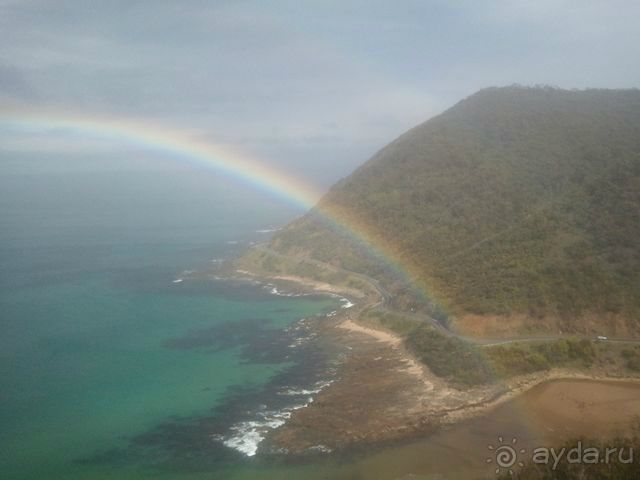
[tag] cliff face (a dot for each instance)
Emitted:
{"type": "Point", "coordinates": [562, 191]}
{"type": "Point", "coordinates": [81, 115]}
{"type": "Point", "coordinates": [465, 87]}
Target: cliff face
{"type": "Point", "coordinates": [515, 203]}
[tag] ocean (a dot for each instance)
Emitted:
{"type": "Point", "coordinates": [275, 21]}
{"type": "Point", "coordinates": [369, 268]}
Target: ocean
{"type": "Point", "coordinates": [116, 363]}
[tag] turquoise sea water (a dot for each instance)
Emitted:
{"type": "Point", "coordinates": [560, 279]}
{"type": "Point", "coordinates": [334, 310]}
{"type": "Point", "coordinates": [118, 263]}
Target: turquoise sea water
{"type": "Point", "coordinates": [111, 369]}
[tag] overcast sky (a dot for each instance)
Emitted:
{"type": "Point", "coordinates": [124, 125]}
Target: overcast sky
{"type": "Point", "coordinates": [317, 86]}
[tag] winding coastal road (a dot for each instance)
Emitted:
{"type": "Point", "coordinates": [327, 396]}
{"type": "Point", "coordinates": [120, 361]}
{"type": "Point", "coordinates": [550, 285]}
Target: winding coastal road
{"type": "Point", "coordinates": [385, 297]}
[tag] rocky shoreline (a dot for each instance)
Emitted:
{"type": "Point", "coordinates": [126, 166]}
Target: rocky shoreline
{"type": "Point", "coordinates": [382, 394]}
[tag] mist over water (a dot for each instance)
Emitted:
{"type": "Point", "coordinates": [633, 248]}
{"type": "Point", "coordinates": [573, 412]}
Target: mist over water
{"type": "Point", "coordinates": [113, 368]}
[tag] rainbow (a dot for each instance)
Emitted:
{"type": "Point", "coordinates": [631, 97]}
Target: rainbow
{"type": "Point", "coordinates": [169, 142]}
{"type": "Point", "coordinates": [188, 148]}
{"type": "Point", "coordinates": [183, 147]}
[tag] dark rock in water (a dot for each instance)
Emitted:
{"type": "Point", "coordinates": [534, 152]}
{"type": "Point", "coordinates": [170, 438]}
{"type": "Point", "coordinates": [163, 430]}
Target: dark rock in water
{"type": "Point", "coordinates": [200, 444]}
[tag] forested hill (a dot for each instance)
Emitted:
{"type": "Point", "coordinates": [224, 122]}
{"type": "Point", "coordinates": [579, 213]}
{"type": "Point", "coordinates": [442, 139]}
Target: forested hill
{"type": "Point", "coordinates": [517, 202]}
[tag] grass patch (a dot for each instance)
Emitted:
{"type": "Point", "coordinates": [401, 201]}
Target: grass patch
{"type": "Point", "coordinates": [632, 358]}
{"type": "Point", "coordinates": [467, 364]}
{"type": "Point", "coordinates": [456, 360]}
{"type": "Point", "coordinates": [523, 358]}
{"type": "Point", "coordinates": [395, 322]}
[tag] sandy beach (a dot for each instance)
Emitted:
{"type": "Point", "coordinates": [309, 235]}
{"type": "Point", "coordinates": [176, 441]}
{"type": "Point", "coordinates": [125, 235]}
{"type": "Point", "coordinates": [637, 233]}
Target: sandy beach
{"type": "Point", "coordinates": [414, 366]}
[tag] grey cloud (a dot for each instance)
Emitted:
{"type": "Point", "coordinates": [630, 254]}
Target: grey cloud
{"type": "Point", "coordinates": [13, 84]}
{"type": "Point", "coordinates": [303, 81]}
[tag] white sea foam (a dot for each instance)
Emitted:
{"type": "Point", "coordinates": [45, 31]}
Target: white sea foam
{"type": "Point", "coordinates": [320, 448]}
{"type": "Point", "coordinates": [297, 342]}
{"type": "Point", "coordinates": [246, 436]}
{"type": "Point", "coordinates": [183, 274]}
{"type": "Point", "coordinates": [267, 230]}
{"type": "Point", "coordinates": [274, 291]}
{"type": "Point", "coordinates": [346, 303]}
{"type": "Point", "coordinates": [319, 386]}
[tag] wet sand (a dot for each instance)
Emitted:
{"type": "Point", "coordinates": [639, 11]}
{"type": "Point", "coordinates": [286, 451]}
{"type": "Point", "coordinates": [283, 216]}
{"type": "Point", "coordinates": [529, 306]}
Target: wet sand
{"type": "Point", "coordinates": [306, 284]}
{"type": "Point", "coordinates": [568, 408]}
{"type": "Point", "coordinates": [548, 414]}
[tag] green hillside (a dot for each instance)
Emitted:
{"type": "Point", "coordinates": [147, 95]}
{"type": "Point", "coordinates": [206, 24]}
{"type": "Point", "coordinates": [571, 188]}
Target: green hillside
{"type": "Point", "coordinates": [516, 201]}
